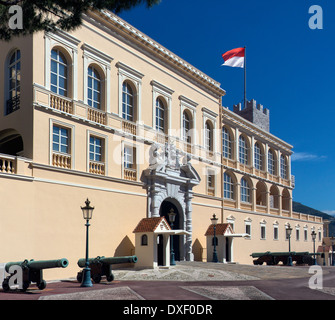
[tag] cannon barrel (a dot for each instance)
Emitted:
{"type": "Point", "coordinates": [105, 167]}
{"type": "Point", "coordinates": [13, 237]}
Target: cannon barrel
{"type": "Point", "coordinates": [41, 264]}
{"type": "Point", "coordinates": [110, 260]}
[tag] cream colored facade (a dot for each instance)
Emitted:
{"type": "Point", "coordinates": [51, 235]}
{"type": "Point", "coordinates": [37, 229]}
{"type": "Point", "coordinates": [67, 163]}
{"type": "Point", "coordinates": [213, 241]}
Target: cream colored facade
{"type": "Point", "coordinates": [57, 149]}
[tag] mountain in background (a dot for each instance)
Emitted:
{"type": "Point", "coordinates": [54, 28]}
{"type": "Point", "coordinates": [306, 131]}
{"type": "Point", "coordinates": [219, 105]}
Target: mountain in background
{"type": "Point", "coordinates": [298, 207]}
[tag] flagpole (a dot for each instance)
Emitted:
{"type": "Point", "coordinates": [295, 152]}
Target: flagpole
{"type": "Point", "coordinates": [245, 77]}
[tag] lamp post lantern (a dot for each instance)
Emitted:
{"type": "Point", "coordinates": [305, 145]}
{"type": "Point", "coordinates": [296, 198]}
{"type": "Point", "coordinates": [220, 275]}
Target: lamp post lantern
{"type": "Point", "coordinates": [172, 217]}
{"type": "Point", "coordinates": [313, 234]}
{"type": "Point", "coordinates": [288, 233]}
{"type": "Point", "coordinates": [87, 215]}
{"type": "Point", "coordinates": [214, 221]}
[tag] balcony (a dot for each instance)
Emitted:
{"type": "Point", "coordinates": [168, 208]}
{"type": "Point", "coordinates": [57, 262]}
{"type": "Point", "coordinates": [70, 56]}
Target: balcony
{"type": "Point", "coordinates": [13, 104]}
{"type": "Point", "coordinates": [211, 191]}
{"type": "Point", "coordinates": [97, 167]}
{"type": "Point", "coordinates": [61, 160]}
{"type": "Point", "coordinates": [61, 103]}
{"type": "Point", "coordinates": [96, 115]}
{"type": "Point", "coordinates": [7, 164]}
{"type": "Point", "coordinates": [130, 174]}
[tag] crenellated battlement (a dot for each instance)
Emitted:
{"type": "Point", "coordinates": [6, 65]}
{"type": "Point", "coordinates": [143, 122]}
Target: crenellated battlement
{"type": "Point", "coordinates": [254, 113]}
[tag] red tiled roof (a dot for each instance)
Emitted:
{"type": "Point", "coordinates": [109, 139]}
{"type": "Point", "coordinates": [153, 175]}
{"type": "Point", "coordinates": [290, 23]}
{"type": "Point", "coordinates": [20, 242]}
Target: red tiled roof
{"type": "Point", "coordinates": [327, 249]}
{"type": "Point", "coordinates": [150, 224]}
{"type": "Point", "coordinates": [221, 228]}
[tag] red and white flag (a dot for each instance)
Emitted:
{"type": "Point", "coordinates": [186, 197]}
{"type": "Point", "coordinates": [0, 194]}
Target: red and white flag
{"type": "Point", "coordinates": [234, 58]}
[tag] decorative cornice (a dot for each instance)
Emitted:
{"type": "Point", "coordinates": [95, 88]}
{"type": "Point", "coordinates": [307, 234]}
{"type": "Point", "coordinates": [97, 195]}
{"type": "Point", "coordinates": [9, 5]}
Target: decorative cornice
{"type": "Point", "coordinates": [164, 53]}
{"type": "Point", "coordinates": [239, 121]}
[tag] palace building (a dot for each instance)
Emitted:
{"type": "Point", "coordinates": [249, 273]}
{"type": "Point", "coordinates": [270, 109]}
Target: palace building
{"type": "Point", "coordinates": [107, 113]}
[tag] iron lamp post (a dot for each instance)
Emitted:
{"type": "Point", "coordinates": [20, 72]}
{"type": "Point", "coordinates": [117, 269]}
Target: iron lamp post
{"type": "Point", "coordinates": [214, 221]}
{"type": "Point", "coordinates": [313, 234]}
{"type": "Point", "coordinates": [87, 215]}
{"type": "Point", "coordinates": [172, 217]}
{"type": "Point", "coordinates": [288, 233]}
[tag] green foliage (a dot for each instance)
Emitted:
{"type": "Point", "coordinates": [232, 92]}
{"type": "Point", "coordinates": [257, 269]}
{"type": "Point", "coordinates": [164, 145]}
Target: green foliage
{"type": "Point", "coordinates": [64, 14]}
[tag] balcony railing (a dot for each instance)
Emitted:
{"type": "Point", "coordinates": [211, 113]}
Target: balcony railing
{"type": "Point", "coordinates": [211, 191]}
{"type": "Point", "coordinates": [61, 160]}
{"type": "Point", "coordinates": [13, 104]}
{"type": "Point", "coordinates": [96, 116]}
{"type": "Point", "coordinates": [61, 103]}
{"type": "Point", "coordinates": [130, 174]}
{"type": "Point", "coordinates": [7, 165]}
{"type": "Point", "coordinates": [129, 127]}
{"type": "Point", "coordinates": [97, 167]}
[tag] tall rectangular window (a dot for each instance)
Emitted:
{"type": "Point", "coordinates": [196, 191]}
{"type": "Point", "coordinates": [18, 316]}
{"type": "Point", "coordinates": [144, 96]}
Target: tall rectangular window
{"type": "Point", "coordinates": [263, 232]}
{"type": "Point", "coordinates": [60, 139]}
{"type": "Point", "coordinates": [243, 150]}
{"type": "Point", "coordinates": [59, 73]}
{"type": "Point", "coordinates": [210, 183]}
{"type": "Point", "coordinates": [248, 228]}
{"type": "Point", "coordinates": [128, 157]}
{"type": "Point", "coordinates": [226, 144]}
{"type": "Point", "coordinates": [129, 163]}
{"type": "Point", "coordinates": [228, 191]}
{"type": "Point", "coordinates": [95, 149]}
{"type": "Point", "coordinates": [275, 232]}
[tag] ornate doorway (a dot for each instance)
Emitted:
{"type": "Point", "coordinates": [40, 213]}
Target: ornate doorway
{"type": "Point", "coordinates": [169, 181]}
{"type": "Point", "coordinates": [178, 240]}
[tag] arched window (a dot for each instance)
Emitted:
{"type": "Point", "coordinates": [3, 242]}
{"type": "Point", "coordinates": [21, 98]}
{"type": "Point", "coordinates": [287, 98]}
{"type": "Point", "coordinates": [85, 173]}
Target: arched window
{"type": "Point", "coordinates": [286, 200]}
{"type": "Point", "coordinates": [283, 167]}
{"type": "Point", "coordinates": [208, 136]}
{"type": "Point", "coordinates": [228, 186]}
{"type": "Point", "coordinates": [271, 162]}
{"type": "Point", "coordinates": [243, 150]}
{"type": "Point", "coordinates": [245, 191]}
{"type": "Point", "coordinates": [93, 88]}
{"type": "Point", "coordinates": [14, 81]}
{"type": "Point", "coordinates": [59, 73]}
{"type": "Point", "coordinates": [274, 197]}
{"type": "Point", "coordinates": [160, 115]}
{"type": "Point", "coordinates": [186, 127]}
{"type": "Point", "coordinates": [261, 193]}
{"type": "Point", "coordinates": [226, 144]}
{"type": "Point", "coordinates": [144, 240]}
{"type": "Point", "coordinates": [127, 102]}
{"type": "Point", "coordinates": [258, 157]}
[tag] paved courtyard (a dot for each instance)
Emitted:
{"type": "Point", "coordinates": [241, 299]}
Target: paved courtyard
{"type": "Point", "coordinates": [188, 281]}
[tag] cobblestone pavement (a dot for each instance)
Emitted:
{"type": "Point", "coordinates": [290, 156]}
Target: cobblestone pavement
{"type": "Point", "coordinates": [188, 281]}
{"type": "Point", "coordinates": [200, 271]}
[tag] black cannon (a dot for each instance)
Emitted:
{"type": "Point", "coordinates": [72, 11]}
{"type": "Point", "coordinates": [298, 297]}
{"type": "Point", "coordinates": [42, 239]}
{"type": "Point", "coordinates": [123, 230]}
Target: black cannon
{"type": "Point", "coordinates": [262, 257]}
{"type": "Point", "coordinates": [101, 266]}
{"type": "Point", "coordinates": [273, 258]}
{"type": "Point", "coordinates": [32, 271]}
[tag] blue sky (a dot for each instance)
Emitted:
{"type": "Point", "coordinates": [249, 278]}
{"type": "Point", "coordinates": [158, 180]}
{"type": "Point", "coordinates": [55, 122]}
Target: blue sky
{"type": "Point", "coordinates": [290, 70]}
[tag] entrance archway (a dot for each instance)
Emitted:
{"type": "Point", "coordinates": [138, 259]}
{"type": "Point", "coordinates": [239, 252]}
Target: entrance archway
{"type": "Point", "coordinates": [178, 240]}
{"type": "Point", "coordinates": [10, 142]}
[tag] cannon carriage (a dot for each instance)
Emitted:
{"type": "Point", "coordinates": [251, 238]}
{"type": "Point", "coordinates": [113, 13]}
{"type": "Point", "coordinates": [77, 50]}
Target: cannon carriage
{"type": "Point", "coordinates": [101, 266]}
{"type": "Point", "coordinates": [32, 271]}
{"type": "Point", "coordinates": [273, 258]}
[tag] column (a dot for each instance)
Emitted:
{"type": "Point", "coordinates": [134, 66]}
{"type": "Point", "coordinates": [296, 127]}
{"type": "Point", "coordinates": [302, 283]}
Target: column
{"type": "Point", "coordinates": [188, 226]}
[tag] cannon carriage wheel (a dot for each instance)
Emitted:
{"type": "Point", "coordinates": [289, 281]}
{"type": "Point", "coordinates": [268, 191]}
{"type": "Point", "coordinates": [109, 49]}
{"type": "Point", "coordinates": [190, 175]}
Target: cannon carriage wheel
{"type": "Point", "coordinates": [96, 278]}
{"type": "Point", "coordinates": [6, 287]}
{"type": "Point", "coordinates": [42, 285]}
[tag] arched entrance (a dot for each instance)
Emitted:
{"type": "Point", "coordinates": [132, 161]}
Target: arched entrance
{"type": "Point", "coordinates": [169, 180]}
{"type": "Point", "coordinates": [165, 208]}
{"type": "Point", "coordinates": [10, 142]}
